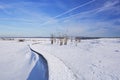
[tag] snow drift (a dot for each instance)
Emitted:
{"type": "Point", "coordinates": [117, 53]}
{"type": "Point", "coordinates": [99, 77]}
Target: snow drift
{"type": "Point", "coordinates": [19, 62]}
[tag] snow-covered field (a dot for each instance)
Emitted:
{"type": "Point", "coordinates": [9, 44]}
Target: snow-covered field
{"type": "Point", "coordinates": [94, 59]}
{"type": "Point", "coordinates": [19, 62]}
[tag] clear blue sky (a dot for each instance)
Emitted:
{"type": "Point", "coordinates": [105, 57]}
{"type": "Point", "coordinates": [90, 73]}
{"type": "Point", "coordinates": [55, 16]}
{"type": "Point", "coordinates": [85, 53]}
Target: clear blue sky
{"type": "Point", "coordinates": [71, 17]}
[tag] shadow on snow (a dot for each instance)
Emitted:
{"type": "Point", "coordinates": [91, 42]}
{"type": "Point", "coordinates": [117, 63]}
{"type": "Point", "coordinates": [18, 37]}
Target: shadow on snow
{"type": "Point", "coordinates": [40, 70]}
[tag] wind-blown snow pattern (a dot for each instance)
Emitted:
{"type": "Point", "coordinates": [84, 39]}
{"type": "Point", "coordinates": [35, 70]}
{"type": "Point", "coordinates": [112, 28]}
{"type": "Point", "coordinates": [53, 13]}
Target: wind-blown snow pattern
{"type": "Point", "coordinates": [19, 62]}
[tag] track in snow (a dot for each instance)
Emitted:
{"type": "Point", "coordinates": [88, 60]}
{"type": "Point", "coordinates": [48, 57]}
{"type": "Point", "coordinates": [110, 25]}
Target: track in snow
{"type": "Point", "coordinates": [57, 69]}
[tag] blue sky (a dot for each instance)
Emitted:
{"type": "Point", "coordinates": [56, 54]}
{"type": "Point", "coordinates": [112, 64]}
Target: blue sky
{"type": "Point", "coordinates": [72, 17]}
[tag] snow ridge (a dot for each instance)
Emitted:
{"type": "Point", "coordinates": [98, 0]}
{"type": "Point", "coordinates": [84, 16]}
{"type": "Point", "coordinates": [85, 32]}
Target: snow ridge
{"type": "Point", "coordinates": [40, 70]}
{"type": "Point", "coordinates": [57, 69]}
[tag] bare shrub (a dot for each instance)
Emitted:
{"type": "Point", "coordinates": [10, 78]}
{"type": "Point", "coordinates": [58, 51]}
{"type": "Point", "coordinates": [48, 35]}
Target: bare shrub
{"type": "Point", "coordinates": [77, 40]}
{"type": "Point", "coordinates": [21, 40]}
{"type": "Point", "coordinates": [65, 40]}
{"type": "Point", "coordinates": [52, 37]}
{"type": "Point", "coordinates": [61, 41]}
{"type": "Point", "coordinates": [71, 39]}
{"type": "Point", "coordinates": [54, 40]}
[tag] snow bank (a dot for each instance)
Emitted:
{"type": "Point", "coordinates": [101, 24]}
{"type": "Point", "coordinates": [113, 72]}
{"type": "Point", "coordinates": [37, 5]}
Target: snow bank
{"type": "Point", "coordinates": [18, 62]}
{"type": "Point", "coordinates": [40, 70]}
{"type": "Point", "coordinates": [57, 69]}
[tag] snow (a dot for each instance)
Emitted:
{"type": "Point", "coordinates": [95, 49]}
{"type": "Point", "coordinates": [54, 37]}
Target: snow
{"type": "Point", "coordinates": [18, 62]}
{"type": "Point", "coordinates": [94, 59]}
{"type": "Point", "coordinates": [40, 70]}
{"type": "Point", "coordinates": [57, 69]}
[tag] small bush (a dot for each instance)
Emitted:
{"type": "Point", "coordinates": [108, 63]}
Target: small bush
{"type": "Point", "coordinates": [21, 40]}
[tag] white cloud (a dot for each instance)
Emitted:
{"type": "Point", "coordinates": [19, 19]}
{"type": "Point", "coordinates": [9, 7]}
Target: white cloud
{"type": "Point", "coordinates": [109, 5]}
{"type": "Point", "coordinates": [2, 7]}
{"type": "Point", "coordinates": [23, 12]}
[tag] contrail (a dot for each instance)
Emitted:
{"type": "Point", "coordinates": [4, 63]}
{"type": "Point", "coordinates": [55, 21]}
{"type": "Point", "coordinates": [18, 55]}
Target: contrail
{"type": "Point", "coordinates": [87, 12]}
{"type": "Point", "coordinates": [74, 9]}
{"type": "Point", "coordinates": [70, 10]}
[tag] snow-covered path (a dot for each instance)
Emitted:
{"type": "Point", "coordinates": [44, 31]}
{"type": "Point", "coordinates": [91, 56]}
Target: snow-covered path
{"type": "Point", "coordinates": [57, 69]}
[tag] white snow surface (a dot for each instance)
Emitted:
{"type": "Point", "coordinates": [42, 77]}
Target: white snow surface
{"type": "Point", "coordinates": [95, 59]}
{"type": "Point", "coordinates": [16, 60]}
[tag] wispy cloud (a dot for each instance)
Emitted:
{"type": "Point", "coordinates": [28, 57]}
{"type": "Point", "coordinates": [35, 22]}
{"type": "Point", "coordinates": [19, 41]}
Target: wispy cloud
{"type": "Point", "coordinates": [87, 22]}
{"type": "Point", "coordinates": [66, 12]}
{"type": "Point", "coordinates": [109, 5]}
{"type": "Point", "coordinates": [4, 7]}
{"type": "Point", "coordinates": [23, 12]}
{"type": "Point", "coordinates": [88, 25]}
